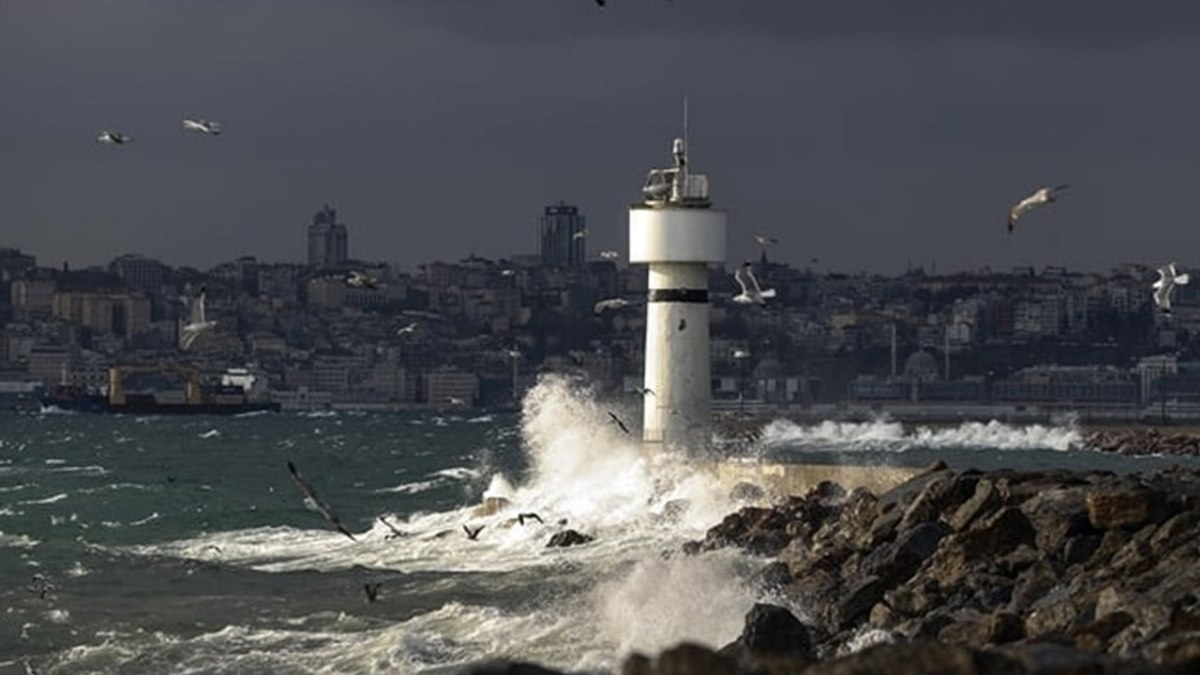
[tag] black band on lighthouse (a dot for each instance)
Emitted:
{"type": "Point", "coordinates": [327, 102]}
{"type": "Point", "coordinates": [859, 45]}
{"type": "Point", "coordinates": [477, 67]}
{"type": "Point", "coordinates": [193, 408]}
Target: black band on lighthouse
{"type": "Point", "coordinates": [689, 295]}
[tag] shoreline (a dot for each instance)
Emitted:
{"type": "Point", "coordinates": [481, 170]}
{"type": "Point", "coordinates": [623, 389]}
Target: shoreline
{"type": "Point", "coordinates": [964, 572]}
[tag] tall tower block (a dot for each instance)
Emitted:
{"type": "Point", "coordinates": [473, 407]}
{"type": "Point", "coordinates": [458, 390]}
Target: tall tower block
{"type": "Point", "coordinates": [675, 230]}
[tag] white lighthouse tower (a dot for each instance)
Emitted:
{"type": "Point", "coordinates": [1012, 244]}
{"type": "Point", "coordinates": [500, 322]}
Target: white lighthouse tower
{"type": "Point", "coordinates": [675, 230]}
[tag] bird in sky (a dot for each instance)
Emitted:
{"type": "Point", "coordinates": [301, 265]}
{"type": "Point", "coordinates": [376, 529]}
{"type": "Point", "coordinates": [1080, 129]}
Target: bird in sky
{"type": "Point", "coordinates": [1167, 280]}
{"type": "Point", "coordinates": [741, 354]}
{"type": "Point", "coordinates": [1043, 195]}
{"type": "Point", "coordinates": [611, 303]}
{"type": "Point", "coordinates": [407, 330]}
{"type": "Point", "coordinates": [113, 137]}
{"type": "Point", "coordinates": [454, 400]}
{"type": "Point", "coordinates": [644, 391]}
{"type": "Point", "coordinates": [203, 126]}
{"type": "Point", "coordinates": [514, 353]}
{"type": "Point", "coordinates": [618, 421]}
{"type": "Point", "coordinates": [197, 324]}
{"type": "Point", "coordinates": [580, 234]}
{"type": "Point", "coordinates": [314, 502]}
{"type": "Point", "coordinates": [473, 534]}
{"type": "Point", "coordinates": [764, 239]}
{"type": "Point", "coordinates": [609, 254]}
{"type": "Point", "coordinates": [751, 293]}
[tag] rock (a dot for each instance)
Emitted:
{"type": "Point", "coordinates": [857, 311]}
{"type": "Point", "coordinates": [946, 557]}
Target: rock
{"type": "Point", "coordinates": [568, 538]}
{"type": "Point", "coordinates": [683, 659]}
{"type": "Point", "coordinates": [1056, 515]}
{"type": "Point", "coordinates": [917, 658]}
{"type": "Point", "coordinates": [899, 560]}
{"type": "Point", "coordinates": [946, 492]}
{"type": "Point", "coordinates": [857, 602]}
{"type": "Point", "coordinates": [746, 492]}
{"type": "Point", "coordinates": [1002, 532]}
{"type": "Point", "coordinates": [1052, 618]}
{"type": "Point", "coordinates": [1079, 549]}
{"type": "Point", "coordinates": [491, 506]}
{"type": "Point", "coordinates": [1126, 508]}
{"type": "Point", "coordinates": [772, 631]}
{"type": "Point", "coordinates": [673, 510]}
{"type": "Point", "coordinates": [983, 501]}
{"type": "Point", "coordinates": [1033, 584]}
{"type": "Point", "coordinates": [774, 576]}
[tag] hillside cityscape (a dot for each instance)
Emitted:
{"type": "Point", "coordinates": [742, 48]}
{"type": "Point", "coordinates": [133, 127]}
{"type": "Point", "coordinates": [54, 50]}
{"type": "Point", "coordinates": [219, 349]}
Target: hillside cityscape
{"type": "Point", "coordinates": [477, 332]}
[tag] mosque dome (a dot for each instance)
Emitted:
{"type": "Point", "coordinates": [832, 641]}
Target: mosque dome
{"type": "Point", "coordinates": [921, 365]}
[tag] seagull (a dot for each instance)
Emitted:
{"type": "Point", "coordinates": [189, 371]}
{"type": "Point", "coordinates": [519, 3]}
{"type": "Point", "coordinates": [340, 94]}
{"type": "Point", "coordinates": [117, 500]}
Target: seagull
{"type": "Point", "coordinates": [1043, 195]}
{"type": "Point", "coordinates": [611, 303]}
{"type": "Point", "coordinates": [114, 137]}
{"type": "Point", "coordinates": [410, 328]}
{"type": "Point", "coordinates": [619, 422]}
{"type": "Point", "coordinates": [741, 354]}
{"type": "Point", "coordinates": [644, 391]}
{"type": "Point", "coordinates": [580, 234]}
{"type": "Point", "coordinates": [507, 272]}
{"type": "Point", "coordinates": [315, 502]}
{"type": "Point", "coordinates": [41, 585]}
{"type": "Point", "coordinates": [203, 126]}
{"type": "Point", "coordinates": [395, 532]}
{"type": "Point", "coordinates": [454, 400]}
{"type": "Point", "coordinates": [522, 517]}
{"type": "Point", "coordinates": [764, 239]}
{"type": "Point", "coordinates": [751, 293]}
{"type": "Point", "coordinates": [473, 535]}
{"type": "Point", "coordinates": [359, 280]}
{"type": "Point", "coordinates": [372, 590]}
{"type": "Point", "coordinates": [197, 324]}
{"type": "Point", "coordinates": [514, 353]}
{"type": "Point", "coordinates": [1167, 280]}
{"type": "Point", "coordinates": [609, 254]}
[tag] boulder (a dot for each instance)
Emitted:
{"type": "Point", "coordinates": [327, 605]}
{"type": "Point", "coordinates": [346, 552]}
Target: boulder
{"type": "Point", "coordinates": [773, 632]}
{"type": "Point", "coordinates": [683, 659]}
{"type": "Point", "coordinates": [508, 668]}
{"type": "Point", "coordinates": [568, 538]}
{"type": "Point", "coordinates": [746, 492]}
{"type": "Point", "coordinates": [1125, 508]}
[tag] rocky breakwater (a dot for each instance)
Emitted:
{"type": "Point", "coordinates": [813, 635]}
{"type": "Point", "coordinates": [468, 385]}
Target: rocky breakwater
{"type": "Point", "coordinates": [968, 572]}
{"type": "Point", "coordinates": [1149, 441]}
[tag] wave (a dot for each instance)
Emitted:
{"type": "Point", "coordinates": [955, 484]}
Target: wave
{"type": "Point", "coordinates": [48, 500]}
{"type": "Point", "coordinates": [888, 436]}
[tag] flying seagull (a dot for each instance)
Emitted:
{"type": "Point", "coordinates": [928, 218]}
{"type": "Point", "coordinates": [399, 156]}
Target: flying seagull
{"type": "Point", "coordinates": [507, 272]}
{"type": "Point", "coordinates": [741, 354]}
{"type": "Point", "coordinates": [609, 254]}
{"type": "Point", "coordinates": [395, 532]}
{"type": "Point", "coordinates": [514, 353]}
{"type": "Point", "coordinates": [315, 502]}
{"type": "Point", "coordinates": [611, 303]}
{"type": "Point", "coordinates": [359, 280]}
{"type": "Point", "coordinates": [580, 234]}
{"type": "Point", "coordinates": [197, 323]}
{"type": "Point", "coordinates": [764, 239]}
{"type": "Point", "coordinates": [113, 137]}
{"type": "Point", "coordinates": [472, 535]}
{"type": "Point", "coordinates": [619, 422]}
{"type": "Point", "coordinates": [644, 391]}
{"type": "Point", "coordinates": [454, 400]}
{"type": "Point", "coordinates": [1043, 195]}
{"type": "Point", "coordinates": [410, 328]}
{"type": "Point", "coordinates": [203, 126]}
{"type": "Point", "coordinates": [751, 293]}
{"type": "Point", "coordinates": [1167, 280]}
{"type": "Point", "coordinates": [522, 517]}
{"type": "Point", "coordinates": [372, 590]}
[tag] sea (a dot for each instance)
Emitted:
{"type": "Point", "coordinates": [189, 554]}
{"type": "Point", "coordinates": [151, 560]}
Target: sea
{"type": "Point", "coordinates": [180, 544]}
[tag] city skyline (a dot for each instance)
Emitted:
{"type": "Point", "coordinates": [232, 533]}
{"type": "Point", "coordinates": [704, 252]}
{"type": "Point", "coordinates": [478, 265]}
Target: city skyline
{"type": "Point", "coordinates": [430, 125]}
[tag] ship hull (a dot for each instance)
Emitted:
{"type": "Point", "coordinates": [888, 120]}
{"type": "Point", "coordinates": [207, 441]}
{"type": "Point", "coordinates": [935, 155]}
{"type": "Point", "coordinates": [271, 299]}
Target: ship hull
{"type": "Point", "coordinates": [100, 405]}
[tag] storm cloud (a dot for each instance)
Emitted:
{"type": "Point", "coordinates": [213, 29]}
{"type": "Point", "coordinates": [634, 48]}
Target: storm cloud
{"type": "Point", "coordinates": [871, 134]}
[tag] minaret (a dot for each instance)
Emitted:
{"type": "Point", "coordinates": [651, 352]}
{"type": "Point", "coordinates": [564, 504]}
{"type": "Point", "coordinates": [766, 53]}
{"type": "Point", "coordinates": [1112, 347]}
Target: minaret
{"type": "Point", "coordinates": [677, 233]}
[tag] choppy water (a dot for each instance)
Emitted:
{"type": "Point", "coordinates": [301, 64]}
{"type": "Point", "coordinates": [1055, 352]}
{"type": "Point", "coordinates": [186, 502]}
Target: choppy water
{"type": "Point", "coordinates": [181, 545]}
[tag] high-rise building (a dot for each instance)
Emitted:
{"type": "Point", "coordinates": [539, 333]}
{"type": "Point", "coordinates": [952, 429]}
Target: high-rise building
{"type": "Point", "coordinates": [327, 239]}
{"type": "Point", "coordinates": [139, 273]}
{"type": "Point", "coordinates": [563, 236]}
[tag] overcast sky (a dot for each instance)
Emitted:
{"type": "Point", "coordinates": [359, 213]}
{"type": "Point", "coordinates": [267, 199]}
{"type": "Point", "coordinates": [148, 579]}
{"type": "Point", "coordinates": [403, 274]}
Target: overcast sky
{"type": "Point", "coordinates": [872, 134]}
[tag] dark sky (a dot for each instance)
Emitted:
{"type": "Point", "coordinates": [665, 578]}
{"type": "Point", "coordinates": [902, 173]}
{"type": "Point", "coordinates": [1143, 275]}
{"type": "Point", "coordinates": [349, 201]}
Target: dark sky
{"type": "Point", "coordinates": [869, 133]}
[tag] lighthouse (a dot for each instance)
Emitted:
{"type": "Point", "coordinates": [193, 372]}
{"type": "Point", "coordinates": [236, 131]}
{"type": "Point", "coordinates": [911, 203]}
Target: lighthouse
{"type": "Point", "coordinates": [675, 231]}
